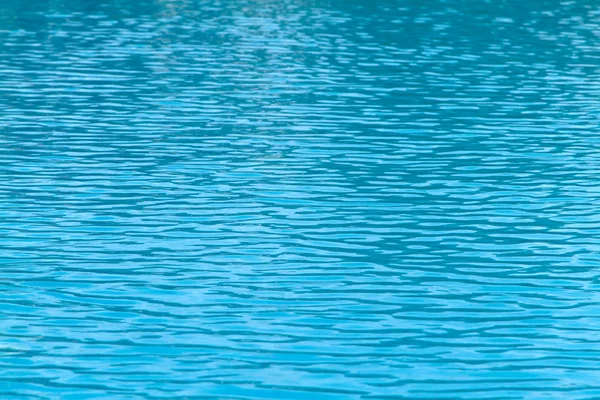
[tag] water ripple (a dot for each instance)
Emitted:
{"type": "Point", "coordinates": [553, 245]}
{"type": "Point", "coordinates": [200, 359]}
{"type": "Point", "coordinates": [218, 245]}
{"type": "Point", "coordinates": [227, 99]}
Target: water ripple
{"type": "Point", "coordinates": [294, 199]}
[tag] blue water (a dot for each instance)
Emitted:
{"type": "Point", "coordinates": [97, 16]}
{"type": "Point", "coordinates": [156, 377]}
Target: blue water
{"type": "Point", "coordinates": [299, 199]}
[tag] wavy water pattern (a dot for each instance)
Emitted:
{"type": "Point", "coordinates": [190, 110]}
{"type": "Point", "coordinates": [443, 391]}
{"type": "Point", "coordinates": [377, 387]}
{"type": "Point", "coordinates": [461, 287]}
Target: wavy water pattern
{"type": "Point", "coordinates": [299, 199]}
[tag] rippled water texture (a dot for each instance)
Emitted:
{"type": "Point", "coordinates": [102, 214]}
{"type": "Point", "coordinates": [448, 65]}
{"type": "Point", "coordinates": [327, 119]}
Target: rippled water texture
{"type": "Point", "coordinates": [299, 199]}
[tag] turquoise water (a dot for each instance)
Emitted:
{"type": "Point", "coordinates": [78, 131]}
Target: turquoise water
{"type": "Point", "coordinates": [299, 199]}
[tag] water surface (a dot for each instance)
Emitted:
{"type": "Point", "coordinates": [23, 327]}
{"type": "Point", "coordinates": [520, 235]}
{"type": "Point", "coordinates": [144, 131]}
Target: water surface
{"type": "Point", "coordinates": [299, 199]}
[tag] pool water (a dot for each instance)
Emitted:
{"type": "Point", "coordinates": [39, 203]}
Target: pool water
{"type": "Point", "coordinates": [299, 199]}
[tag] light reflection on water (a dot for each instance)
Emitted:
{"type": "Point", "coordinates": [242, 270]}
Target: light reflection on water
{"type": "Point", "coordinates": [299, 199]}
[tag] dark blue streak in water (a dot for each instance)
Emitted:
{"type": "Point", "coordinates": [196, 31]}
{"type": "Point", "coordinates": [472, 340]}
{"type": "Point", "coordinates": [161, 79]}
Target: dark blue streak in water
{"type": "Point", "coordinates": [299, 199]}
